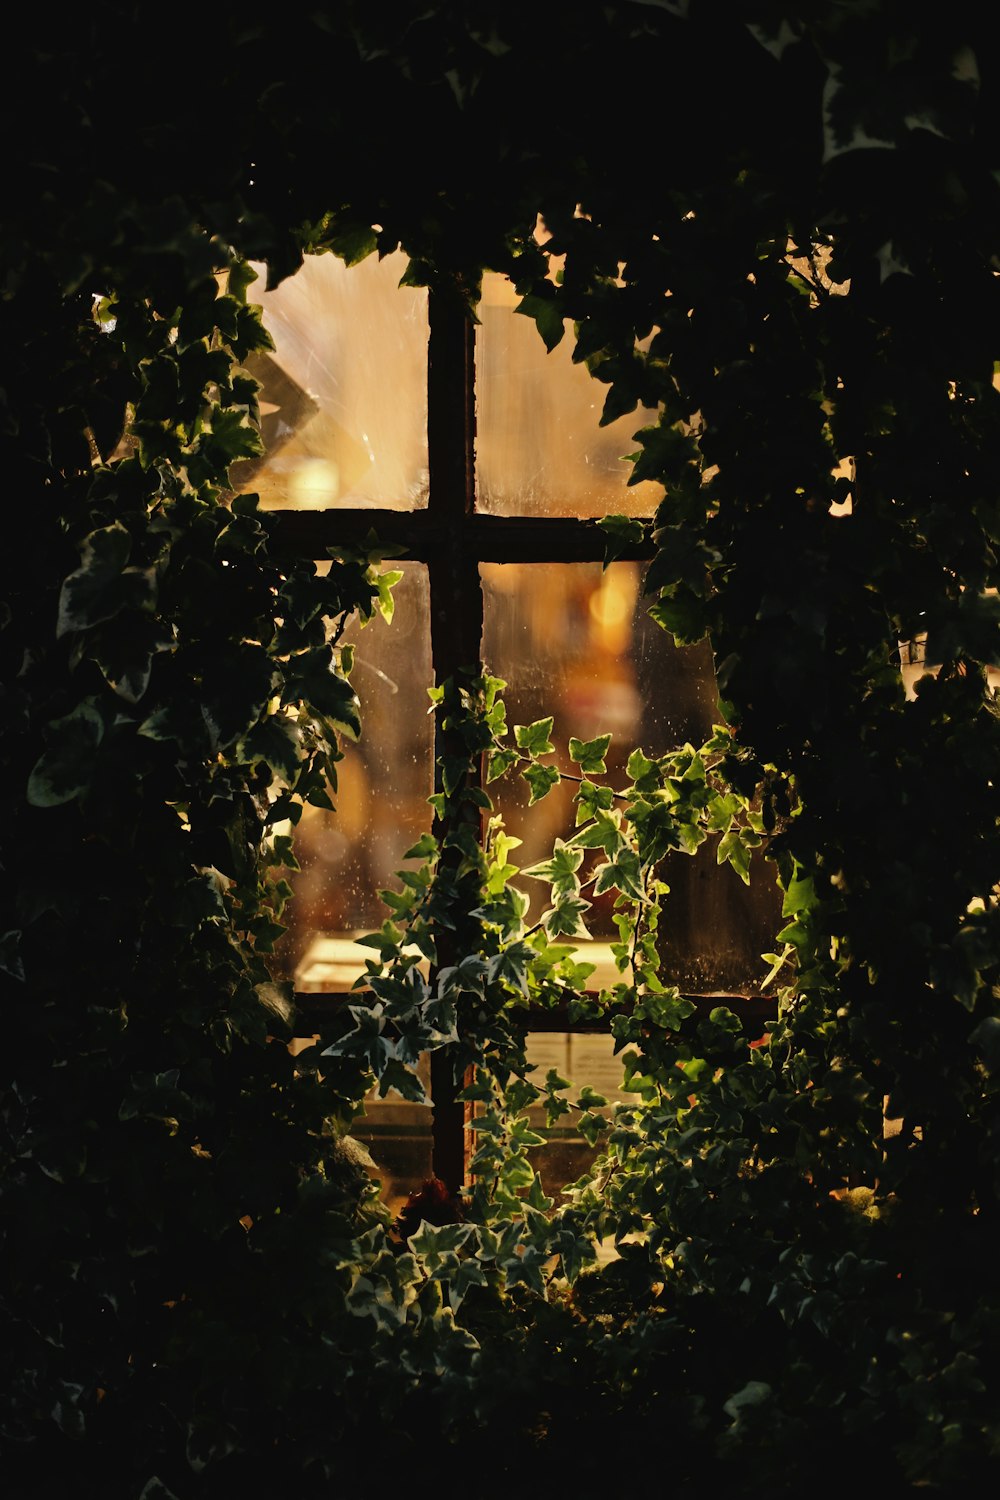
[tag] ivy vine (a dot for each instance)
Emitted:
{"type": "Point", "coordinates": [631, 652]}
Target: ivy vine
{"type": "Point", "coordinates": [201, 1284]}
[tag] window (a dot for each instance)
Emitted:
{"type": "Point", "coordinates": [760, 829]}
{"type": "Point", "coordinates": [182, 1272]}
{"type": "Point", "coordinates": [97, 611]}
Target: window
{"type": "Point", "coordinates": [479, 459]}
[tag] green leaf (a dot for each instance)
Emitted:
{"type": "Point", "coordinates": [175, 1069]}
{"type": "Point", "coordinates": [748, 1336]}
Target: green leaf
{"type": "Point", "coordinates": [277, 742]}
{"type": "Point", "coordinates": [534, 738]}
{"type": "Point", "coordinates": [314, 679]}
{"type": "Point", "coordinates": [231, 436]}
{"type": "Point", "coordinates": [241, 276]}
{"type": "Point", "coordinates": [64, 770]}
{"type": "Point", "coordinates": [541, 780]}
{"type": "Point", "coordinates": [467, 1274]}
{"type": "Point", "coordinates": [386, 583]}
{"type": "Point", "coordinates": [510, 966]}
{"type": "Point", "coordinates": [548, 316]}
{"type": "Point", "coordinates": [103, 585]}
{"type": "Point", "coordinates": [799, 897]}
{"type": "Point", "coordinates": [354, 244]}
{"type": "Point", "coordinates": [425, 848]}
{"type": "Point", "coordinates": [591, 800]}
{"type": "Point", "coordinates": [754, 1393]}
{"type": "Point", "coordinates": [433, 1241]}
{"type": "Point", "coordinates": [643, 771]}
{"type": "Point", "coordinates": [566, 919]}
{"type": "Point", "coordinates": [683, 614]}
{"type": "Point", "coordinates": [560, 870]}
{"type": "Point", "coordinates": [10, 959]}
{"type": "Point", "coordinates": [722, 810]}
{"type": "Point", "coordinates": [604, 833]}
{"type": "Point", "coordinates": [499, 763]}
{"type": "Point", "coordinates": [622, 532]}
{"type": "Point", "coordinates": [986, 1037]}
{"type": "Point", "coordinates": [732, 848]}
{"type": "Point", "coordinates": [589, 754]}
{"type": "Point", "coordinates": [623, 873]}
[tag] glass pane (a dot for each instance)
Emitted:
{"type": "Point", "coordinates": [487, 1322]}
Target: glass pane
{"type": "Point", "coordinates": [343, 404]}
{"type": "Point", "coordinates": [384, 781]}
{"type": "Point", "coordinates": [396, 1135]}
{"type": "Point", "coordinates": [398, 1138]}
{"type": "Point", "coordinates": [540, 450]}
{"type": "Point", "coordinates": [575, 642]}
{"type": "Point", "coordinates": [583, 1059]}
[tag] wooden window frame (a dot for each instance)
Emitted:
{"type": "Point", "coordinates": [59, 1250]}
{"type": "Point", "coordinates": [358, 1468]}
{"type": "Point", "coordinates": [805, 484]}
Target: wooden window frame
{"type": "Point", "coordinates": [452, 538]}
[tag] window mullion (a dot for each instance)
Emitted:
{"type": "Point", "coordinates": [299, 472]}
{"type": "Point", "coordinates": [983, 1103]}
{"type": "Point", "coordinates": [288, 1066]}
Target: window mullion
{"type": "Point", "coordinates": [456, 629]}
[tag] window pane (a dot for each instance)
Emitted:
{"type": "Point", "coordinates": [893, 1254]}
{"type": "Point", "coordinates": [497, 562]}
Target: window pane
{"type": "Point", "coordinates": [384, 781]}
{"type": "Point", "coordinates": [575, 642]}
{"type": "Point", "coordinates": [540, 450]}
{"type": "Point", "coordinates": [396, 1135]}
{"type": "Point", "coordinates": [582, 1059]}
{"type": "Point", "coordinates": [343, 405]}
{"type": "Point", "coordinates": [398, 1138]}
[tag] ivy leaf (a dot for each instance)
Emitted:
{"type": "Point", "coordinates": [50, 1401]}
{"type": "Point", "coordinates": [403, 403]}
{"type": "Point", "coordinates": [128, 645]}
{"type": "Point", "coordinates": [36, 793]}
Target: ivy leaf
{"type": "Point", "coordinates": [510, 966]}
{"type": "Point", "coordinates": [623, 873]}
{"type": "Point", "coordinates": [622, 532]}
{"type": "Point", "coordinates": [277, 742]}
{"type": "Point", "coordinates": [102, 585]}
{"type": "Point", "coordinates": [386, 583]}
{"type": "Point", "coordinates": [314, 679]}
{"type": "Point", "coordinates": [548, 316]}
{"type": "Point", "coordinates": [591, 800]}
{"type": "Point", "coordinates": [722, 811]}
{"type": "Point", "coordinates": [231, 436]}
{"type": "Point", "coordinates": [665, 452]}
{"type": "Point", "coordinates": [684, 614]}
{"type": "Point", "coordinates": [643, 772]}
{"type": "Point", "coordinates": [589, 754]}
{"type": "Point", "coordinates": [575, 1250]}
{"type": "Point", "coordinates": [799, 897]}
{"type": "Point", "coordinates": [754, 1393]}
{"type": "Point", "coordinates": [560, 870]}
{"type": "Point", "coordinates": [499, 763]}
{"type": "Point", "coordinates": [467, 1274]}
{"type": "Point", "coordinates": [541, 780]}
{"type": "Point", "coordinates": [432, 1242]}
{"type": "Point", "coordinates": [10, 958]}
{"type": "Point", "coordinates": [732, 848]}
{"type": "Point", "coordinates": [241, 276]}
{"type": "Point", "coordinates": [592, 1127]}
{"type": "Point", "coordinates": [986, 1037]}
{"type": "Point", "coordinates": [125, 654]}
{"type": "Point", "coordinates": [354, 244]}
{"type": "Point", "coordinates": [534, 738]}
{"type": "Point", "coordinates": [426, 847]}
{"type": "Point", "coordinates": [64, 770]}
{"type": "Point", "coordinates": [387, 940]}
{"type": "Point", "coordinates": [604, 833]}
{"type": "Point", "coordinates": [566, 919]}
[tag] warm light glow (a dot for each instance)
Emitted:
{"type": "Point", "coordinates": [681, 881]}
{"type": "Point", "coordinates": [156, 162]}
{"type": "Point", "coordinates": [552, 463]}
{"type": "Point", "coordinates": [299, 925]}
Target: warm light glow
{"type": "Point", "coordinates": [315, 484]}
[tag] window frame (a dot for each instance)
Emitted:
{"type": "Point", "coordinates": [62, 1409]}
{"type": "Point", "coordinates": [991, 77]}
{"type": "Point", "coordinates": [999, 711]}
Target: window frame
{"type": "Point", "coordinates": [451, 537]}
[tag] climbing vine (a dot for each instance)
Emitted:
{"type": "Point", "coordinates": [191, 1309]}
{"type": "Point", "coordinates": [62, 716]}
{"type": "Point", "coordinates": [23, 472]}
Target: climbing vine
{"type": "Point", "coordinates": [797, 1239]}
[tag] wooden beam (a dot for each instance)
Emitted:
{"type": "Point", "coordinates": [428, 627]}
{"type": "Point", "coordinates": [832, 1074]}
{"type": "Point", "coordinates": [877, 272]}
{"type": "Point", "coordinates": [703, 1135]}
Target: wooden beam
{"type": "Point", "coordinates": [423, 536]}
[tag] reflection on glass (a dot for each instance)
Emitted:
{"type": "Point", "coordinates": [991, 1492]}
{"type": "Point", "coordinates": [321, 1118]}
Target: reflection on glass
{"type": "Point", "coordinates": [575, 642]}
{"type": "Point", "coordinates": [540, 450]}
{"type": "Point", "coordinates": [349, 855]}
{"type": "Point", "coordinates": [343, 403]}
